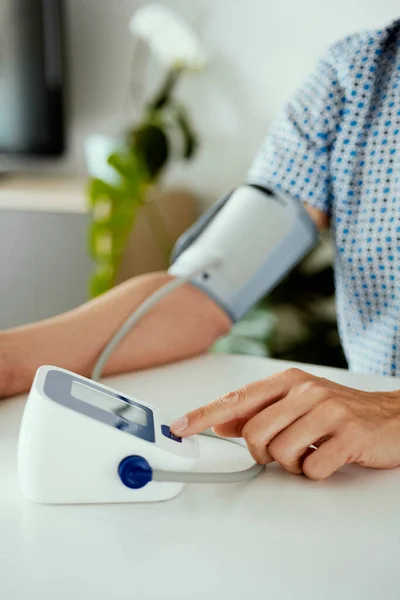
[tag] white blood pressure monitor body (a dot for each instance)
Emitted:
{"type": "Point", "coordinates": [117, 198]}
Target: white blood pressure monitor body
{"type": "Point", "coordinates": [82, 442]}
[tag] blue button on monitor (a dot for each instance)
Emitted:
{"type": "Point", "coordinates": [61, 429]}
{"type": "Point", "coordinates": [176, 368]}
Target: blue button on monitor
{"type": "Point", "coordinates": [165, 430]}
{"type": "Point", "coordinates": [135, 472]}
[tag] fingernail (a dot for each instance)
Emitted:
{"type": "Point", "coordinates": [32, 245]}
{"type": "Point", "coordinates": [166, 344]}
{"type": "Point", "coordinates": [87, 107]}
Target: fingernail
{"type": "Point", "coordinates": [180, 425]}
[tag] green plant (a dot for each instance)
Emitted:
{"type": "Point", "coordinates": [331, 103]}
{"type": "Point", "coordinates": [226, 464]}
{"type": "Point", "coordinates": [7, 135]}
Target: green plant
{"type": "Point", "coordinates": [138, 166]}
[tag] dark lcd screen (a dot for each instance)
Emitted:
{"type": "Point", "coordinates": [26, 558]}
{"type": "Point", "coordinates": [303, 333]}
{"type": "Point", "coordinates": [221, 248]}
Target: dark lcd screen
{"type": "Point", "coordinates": [93, 400]}
{"type": "Point", "coordinates": [31, 77]}
{"type": "Point", "coordinates": [104, 401]}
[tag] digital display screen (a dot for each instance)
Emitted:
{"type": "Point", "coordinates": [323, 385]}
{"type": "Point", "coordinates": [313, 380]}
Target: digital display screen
{"type": "Point", "coordinates": [102, 400]}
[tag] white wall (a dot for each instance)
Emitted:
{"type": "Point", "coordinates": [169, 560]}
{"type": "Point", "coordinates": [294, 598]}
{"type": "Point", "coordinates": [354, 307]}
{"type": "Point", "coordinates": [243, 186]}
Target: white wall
{"type": "Point", "coordinates": [259, 50]}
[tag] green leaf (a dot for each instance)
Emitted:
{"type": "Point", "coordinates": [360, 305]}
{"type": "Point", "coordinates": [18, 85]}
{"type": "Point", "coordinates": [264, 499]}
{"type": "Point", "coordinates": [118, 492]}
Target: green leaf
{"type": "Point", "coordinates": [98, 189]}
{"type": "Point", "coordinates": [151, 144]}
{"type": "Point", "coordinates": [189, 136]}
{"type": "Point", "coordinates": [133, 173]}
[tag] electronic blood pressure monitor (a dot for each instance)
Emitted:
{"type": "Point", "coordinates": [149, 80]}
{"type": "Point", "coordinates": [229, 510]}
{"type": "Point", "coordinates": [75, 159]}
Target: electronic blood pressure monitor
{"type": "Point", "coordinates": [82, 442]}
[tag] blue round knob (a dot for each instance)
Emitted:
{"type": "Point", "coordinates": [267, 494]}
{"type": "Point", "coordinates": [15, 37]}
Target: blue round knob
{"type": "Point", "coordinates": [135, 472]}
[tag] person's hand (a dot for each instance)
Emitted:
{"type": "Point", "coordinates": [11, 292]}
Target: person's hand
{"type": "Point", "coordinates": [307, 424]}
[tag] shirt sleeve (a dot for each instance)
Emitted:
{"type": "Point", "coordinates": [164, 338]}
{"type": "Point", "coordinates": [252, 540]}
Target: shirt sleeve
{"type": "Point", "coordinates": [295, 155]}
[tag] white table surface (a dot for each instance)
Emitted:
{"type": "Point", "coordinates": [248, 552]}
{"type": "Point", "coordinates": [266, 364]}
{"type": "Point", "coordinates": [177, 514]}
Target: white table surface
{"type": "Point", "coordinates": [277, 537]}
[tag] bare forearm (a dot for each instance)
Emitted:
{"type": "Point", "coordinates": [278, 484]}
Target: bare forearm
{"type": "Point", "coordinates": [184, 324]}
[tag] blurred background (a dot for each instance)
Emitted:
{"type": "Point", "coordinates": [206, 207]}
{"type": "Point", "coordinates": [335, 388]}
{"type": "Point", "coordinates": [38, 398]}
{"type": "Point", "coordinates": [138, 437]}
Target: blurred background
{"type": "Point", "coordinates": [121, 122]}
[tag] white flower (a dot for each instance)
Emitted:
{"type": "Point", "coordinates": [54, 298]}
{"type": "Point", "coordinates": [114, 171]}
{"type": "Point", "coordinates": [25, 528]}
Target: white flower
{"type": "Point", "coordinates": [168, 36]}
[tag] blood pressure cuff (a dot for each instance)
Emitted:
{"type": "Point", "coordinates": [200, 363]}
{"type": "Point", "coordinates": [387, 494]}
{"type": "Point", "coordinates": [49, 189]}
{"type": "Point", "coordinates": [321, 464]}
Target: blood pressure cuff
{"type": "Point", "coordinates": [243, 246]}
